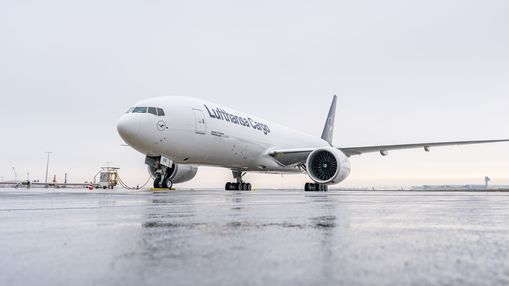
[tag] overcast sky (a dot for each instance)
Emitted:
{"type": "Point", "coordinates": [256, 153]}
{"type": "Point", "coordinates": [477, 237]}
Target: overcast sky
{"type": "Point", "coordinates": [404, 71]}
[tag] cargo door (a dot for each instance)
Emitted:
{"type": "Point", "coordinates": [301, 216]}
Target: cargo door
{"type": "Point", "coordinates": [200, 125]}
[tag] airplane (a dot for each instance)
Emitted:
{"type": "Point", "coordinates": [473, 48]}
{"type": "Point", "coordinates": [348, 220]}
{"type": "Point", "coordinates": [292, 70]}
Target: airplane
{"type": "Point", "coordinates": [177, 134]}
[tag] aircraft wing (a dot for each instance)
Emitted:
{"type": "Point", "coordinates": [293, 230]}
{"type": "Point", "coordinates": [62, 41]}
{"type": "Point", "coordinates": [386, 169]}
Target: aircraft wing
{"type": "Point", "coordinates": [384, 149]}
{"type": "Point", "coordinates": [293, 157]}
{"type": "Point", "coordinates": [289, 157]}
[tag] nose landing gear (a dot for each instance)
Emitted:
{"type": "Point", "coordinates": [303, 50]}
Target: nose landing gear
{"type": "Point", "coordinates": [162, 180]}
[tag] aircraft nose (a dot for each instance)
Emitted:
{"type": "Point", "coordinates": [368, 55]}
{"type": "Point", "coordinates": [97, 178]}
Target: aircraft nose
{"type": "Point", "coordinates": [128, 128]}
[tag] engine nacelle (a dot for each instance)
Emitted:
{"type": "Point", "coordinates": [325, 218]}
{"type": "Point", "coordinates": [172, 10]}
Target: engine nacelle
{"type": "Point", "coordinates": [328, 166]}
{"type": "Point", "coordinates": [177, 173]}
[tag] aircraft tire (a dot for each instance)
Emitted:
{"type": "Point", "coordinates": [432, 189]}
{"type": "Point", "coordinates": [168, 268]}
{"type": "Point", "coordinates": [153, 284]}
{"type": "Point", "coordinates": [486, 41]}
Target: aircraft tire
{"type": "Point", "coordinates": [313, 187]}
{"type": "Point", "coordinates": [157, 182]}
{"type": "Point", "coordinates": [167, 184]}
{"type": "Point", "coordinates": [237, 187]}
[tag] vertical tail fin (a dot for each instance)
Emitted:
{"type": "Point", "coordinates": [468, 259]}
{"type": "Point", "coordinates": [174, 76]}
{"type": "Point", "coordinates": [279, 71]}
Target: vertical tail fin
{"type": "Point", "coordinates": [328, 130]}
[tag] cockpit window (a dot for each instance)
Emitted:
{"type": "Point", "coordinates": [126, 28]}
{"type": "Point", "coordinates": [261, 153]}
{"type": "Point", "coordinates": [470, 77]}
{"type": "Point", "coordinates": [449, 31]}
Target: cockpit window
{"type": "Point", "coordinates": [152, 110]}
{"type": "Point", "coordinates": [140, 110]}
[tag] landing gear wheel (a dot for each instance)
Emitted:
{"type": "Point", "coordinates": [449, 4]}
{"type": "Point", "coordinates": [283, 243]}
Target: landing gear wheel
{"type": "Point", "coordinates": [157, 182]}
{"type": "Point", "coordinates": [313, 187]}
{"type": "Point", "coordinates": [167, 183]}
{"type": "Point", "coordinates": [239, 186]}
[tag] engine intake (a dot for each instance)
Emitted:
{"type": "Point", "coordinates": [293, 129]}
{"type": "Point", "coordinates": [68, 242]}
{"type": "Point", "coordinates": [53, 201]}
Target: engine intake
{"type": "Point", "coordinates": [328, 166]}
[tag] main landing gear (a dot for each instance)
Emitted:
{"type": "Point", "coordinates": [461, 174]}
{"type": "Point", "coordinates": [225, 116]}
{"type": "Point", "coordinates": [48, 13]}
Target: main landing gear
{"type": "Point", "coordinates": [162, 179]}
{"type": "Point", "coordinates": [237, 186]}
{"type": "Point", "coordinates": [314, 187]}
{"type": "Point", "coordinates": [240, 185]}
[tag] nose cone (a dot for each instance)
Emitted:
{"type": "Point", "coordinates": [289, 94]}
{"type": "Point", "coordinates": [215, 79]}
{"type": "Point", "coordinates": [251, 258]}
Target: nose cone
{"type": "Point", "coordinates": [128, 128]}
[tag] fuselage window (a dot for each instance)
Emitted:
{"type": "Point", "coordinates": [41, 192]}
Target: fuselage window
{"type": "Point", "coordinates": [152, 110]}
{"type": "Point", "coordinates": [140, 110]}
{"type": "Point", "coordinates": [160, 112]}
{"type": "Point", "coordinates": [130, 110]}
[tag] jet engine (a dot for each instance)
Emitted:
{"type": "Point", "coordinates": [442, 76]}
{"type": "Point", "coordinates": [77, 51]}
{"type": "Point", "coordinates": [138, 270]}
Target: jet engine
{"type": "Point", "coordinates": [328, 166]}
{"type": "Point", "coordinates": [177, 173]}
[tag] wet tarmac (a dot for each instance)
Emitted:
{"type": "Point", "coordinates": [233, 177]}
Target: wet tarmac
{"type": "Point", "coordinates": [267, 237]}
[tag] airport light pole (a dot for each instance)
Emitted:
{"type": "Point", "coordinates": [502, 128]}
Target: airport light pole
{"type": "Point", "coordinates": [47, 165]}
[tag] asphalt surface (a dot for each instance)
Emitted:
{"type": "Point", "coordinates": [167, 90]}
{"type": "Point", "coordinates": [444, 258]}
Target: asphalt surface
{"type": "Point", "coordinates": [213, 237]}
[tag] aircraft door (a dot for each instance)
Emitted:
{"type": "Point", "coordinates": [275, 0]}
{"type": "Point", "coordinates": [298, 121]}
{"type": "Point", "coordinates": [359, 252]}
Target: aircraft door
{"type": "Point", "coordinates": [200, 124]}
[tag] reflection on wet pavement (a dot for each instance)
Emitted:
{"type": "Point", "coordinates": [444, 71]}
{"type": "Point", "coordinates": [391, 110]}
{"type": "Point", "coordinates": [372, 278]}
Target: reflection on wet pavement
{"type": "Point", "coordinates": [267, 237]}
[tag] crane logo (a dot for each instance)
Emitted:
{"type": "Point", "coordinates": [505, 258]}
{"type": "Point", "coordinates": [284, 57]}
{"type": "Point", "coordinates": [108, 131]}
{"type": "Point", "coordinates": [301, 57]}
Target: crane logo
{"type": "Point", "coordinates": [161, 125]}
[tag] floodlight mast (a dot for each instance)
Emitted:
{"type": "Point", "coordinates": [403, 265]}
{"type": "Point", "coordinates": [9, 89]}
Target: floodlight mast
{"type": "Point", "coordinates": [47, 166]}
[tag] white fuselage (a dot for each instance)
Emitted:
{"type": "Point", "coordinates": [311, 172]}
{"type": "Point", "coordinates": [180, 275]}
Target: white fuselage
{"type": "Point", "coordinates": [197, 132]}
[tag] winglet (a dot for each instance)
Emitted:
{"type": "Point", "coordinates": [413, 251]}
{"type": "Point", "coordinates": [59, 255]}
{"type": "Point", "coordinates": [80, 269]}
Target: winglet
{"type": "Point", "coordinates": [328, 130]}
